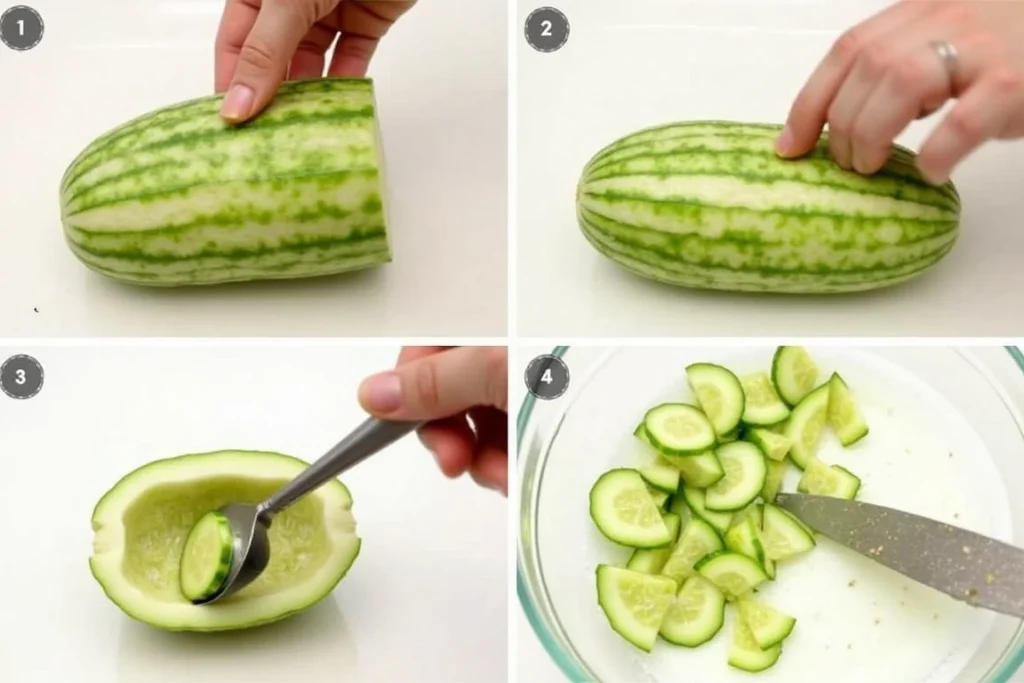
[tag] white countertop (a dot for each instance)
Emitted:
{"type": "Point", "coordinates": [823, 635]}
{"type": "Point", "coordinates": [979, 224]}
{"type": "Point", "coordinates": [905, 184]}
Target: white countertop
{"type": "Point", "coordinates": [443, 104]}
{"type": "Point", "coordinates": [426, 599]}
{"type": "Point", "coordinates": [627, 66]}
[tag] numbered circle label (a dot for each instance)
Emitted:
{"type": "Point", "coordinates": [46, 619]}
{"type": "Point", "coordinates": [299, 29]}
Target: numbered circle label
{"type": "Point", "coordinates": [547, 29]}
{"type": "Point", "coordinates": [547, 377]}
{"type": "Point", "coordinates": [21, 376]}
{"type": "Point", "coordinates": [21, 27]}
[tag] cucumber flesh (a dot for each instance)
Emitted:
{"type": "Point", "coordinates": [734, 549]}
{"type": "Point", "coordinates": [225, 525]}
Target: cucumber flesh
{"type": "Point", "coordinates": [732, 573]}
{"type": "Point", "coordinates": [729, 436]}
{"type": "Point", "coordinates": [206, 557]}
{"type": "Point", "coordinates": [624, 512]}
{"type": "Point", "coordinates": [803, 428]}
{"type": "Point", "coordinates": [697, 471]}
{"type": "Point", "coordinates": [634, 603]}
{"type": "Point", "coordinates": [783, 536]}
{"type": "Point", "coordinates": [659, 497]}
{"type": "Point", "coordinates": [697, 540]}
{"type": "Point", "coordinates": [844, 416]}
{"type": "Point", "coordinates": [662, 477]}
{"type": "Point", "coordinates": [696, 498]}
{"type": "Point", "coordinates": [767, 625]}
{"type": "Point", "coordinates": [775, 446]}
{"type": "Point", "coordinates": [763, 405]}
{"type": "Point", "coordinates": [744, 538]}
{"type": "Point", "coordinates": [652, 561]}
{"type": "Point", "coordinates": [776, 473]}
{"type": "Point", "coordinates": [744, 653]}
{"type": "Point", "coordinates": [820, 479]}
{"type": "Point", "coordinates": [794, 373]}
{"type": "Point", "coordinates": [696, 616]}
{"type": "Point", "coordinates": [678, 429]}
{"type": "Point", "coordinates": [745, 471]}
{"type": "Point", "coordinates": [719, 394]}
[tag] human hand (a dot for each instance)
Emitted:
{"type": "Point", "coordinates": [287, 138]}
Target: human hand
{"type": "Point", "coordinates": [463, 392]}
{"type": "Point", "coordinates": [884, 73]}
{"type": "Point", "coordinates": [260, 43]}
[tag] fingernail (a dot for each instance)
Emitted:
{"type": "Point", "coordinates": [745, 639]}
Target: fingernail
{"type": "Point", "coordinates": [382, 393]}
{"type": "Point", "coordinates": [785, 142]}
{"type": "Point", "coordinates": [237, 103]}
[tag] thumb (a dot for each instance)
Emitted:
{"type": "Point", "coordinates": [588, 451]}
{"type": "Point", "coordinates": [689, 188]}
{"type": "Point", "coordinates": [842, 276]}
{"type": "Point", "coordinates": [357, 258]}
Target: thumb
{"type": "Point", "coordinates": [440, 385]}
{"type": "Point", "coordinates": [264, 57]}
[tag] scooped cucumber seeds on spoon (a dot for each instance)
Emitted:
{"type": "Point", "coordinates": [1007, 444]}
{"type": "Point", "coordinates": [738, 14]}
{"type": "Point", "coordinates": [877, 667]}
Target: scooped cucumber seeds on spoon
{"type": "Point", "coordinates": [705, 537]}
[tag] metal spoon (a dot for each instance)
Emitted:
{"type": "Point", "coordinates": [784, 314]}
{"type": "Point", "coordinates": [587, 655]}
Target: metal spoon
{"type": "Point", "coordinates": [250, 523]}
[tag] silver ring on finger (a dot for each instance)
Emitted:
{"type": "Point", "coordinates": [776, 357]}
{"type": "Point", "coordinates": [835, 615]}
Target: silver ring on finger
{"type": "Point", "coordinates": [950, 57]}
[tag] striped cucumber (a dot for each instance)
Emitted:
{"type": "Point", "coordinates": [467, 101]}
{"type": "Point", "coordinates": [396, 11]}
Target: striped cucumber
{"type": "Point", "coordinates": [710, 205]}
{"type": "Point", "coordinates": [179, 197]}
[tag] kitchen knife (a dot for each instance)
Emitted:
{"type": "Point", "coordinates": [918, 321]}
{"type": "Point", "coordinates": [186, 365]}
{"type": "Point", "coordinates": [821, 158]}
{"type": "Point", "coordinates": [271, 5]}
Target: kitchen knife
{"type": "Point", "coordinates": [976, 569]}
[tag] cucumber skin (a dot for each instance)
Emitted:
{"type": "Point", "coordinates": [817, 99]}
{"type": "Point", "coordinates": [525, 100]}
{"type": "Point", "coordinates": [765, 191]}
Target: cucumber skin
{"type": "Point", "coordinates": [796, 453]}
{"type": "Point", "coordinates": [703, 369]}
{"type": "Point", "coordinates": [788, 624]}
{"type": "Point", "coordinates": [647, 229]}
{"type": "Point", "coordinates": [753, 492]}
{"type": "Point", "coordinates": [668, 450]}
{"type": "Point", "coordinates": [631, 638]}
{"type": "Point", "coordinates": [235, 214]}
{"type": "Point", "coordinates": [861, 428]}
{"type": "Point", "coordinates": [722, 555]}
{"type": "Point", "coordinates": [641, 560]}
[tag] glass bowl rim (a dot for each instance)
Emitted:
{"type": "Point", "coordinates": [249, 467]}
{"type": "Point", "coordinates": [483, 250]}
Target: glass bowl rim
{"type": "Point", "coordinates": [533, 614]}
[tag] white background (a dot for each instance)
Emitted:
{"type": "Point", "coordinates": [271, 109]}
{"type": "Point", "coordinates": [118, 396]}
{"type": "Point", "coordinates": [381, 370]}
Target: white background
{"type": "Point", "coordinates": [627, 66]}
{"type": "Point", "coordinates": [441, 84]}
{"type": "Point", "coordinates": [424, 601]}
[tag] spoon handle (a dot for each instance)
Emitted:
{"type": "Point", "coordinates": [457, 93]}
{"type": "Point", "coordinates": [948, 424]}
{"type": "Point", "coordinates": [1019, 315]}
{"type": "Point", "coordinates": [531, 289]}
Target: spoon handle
{"type": "Point", "coordinates": [368, 438]}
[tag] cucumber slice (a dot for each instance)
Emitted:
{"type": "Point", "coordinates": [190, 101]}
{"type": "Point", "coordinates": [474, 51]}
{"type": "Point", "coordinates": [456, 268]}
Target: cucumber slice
{"type": "Point", "coordinates": [622, 508]}
{"type": "Point", "coordinates": [794, 373]}
{"type": "Point", "coordinates": [696, 616]}
{"type": "Point", "coordinates": [697, 540]}
{"type": "Point", "coordinates": [678, 506]}
{"type": "Point", "coordinates": [662, 477]}
{"type": "Point", "coordinates": [653, 561]}
{"type": "Point", "coordinates": [783, 536]}
{"type": "Point", "coordinates": [773, 480]}
{"type": "Point", "coordinates": [772, 444]}
{"type": "Point", "coordinates": [744, 538]}
{"type": "Point", "coordinates": [744, 653]}
{"type": "Point", "coordinates": [719, 394]}
{"type": "Point", "coordinates": [698, 471]}
{"type": "Point", "coordinates": [732, 573]}
{"type": "Point", "coordinates": [803, 428]}
{"type": "Point", "coordinates": [844, 416]}
{"type": "Point", "coordinates": [206, 557]}
{"type": "Point", "coordinates": [745, 471]}
{"type": "Point", "coordinates": [634, 603]}
{"type": "Point", "coordinates": [695, 498]}
{"type": "Point", "coordinates": [659, 497]}
{"type": "Point", "coordinates": [821, 480]}
{"type": "Point", "coordinates": [768, 626]}
{"type": "Point", "coordinates": [678, 429]}
{"type": "Point", "coordinates": [763, 405]}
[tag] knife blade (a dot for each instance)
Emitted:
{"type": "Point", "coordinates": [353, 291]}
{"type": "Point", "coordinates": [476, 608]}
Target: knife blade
{"type": "Point", "coordinates": [975, 569]}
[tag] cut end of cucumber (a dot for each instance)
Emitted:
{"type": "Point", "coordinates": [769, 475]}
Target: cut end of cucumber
{"type": "Point", "coordinates": [719, 394]}
{"type": "Point", "coordinates": [820, 479]}
{"type": "Point", "coordinates": [744, 653]}
{"type": "Point", "coordinates": [745, 472]}
{"type": "Point", "coordinates": [635, 603]}
{"type": "Point", "coordinates": [805, 424]}
{"type": "Point", "coordinates": [844, 416]}
{"type": "Point", "coordinates": [783, 536]}
{"type": "Point", "coordinates": [762, 403]}
{"type": "Point", "coordinates": [206, 557]}
{"type": "Point", "coordinates": [679, 429]}
{"type": "Point", "coordinates": [732, 573]}
{"type": "Point", "coordinates": [697, 614]}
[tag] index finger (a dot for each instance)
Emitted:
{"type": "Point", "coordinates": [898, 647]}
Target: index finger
{"type": "Point", "coordinates": [235, 26]}
{"type": "Point", "coordinates": [409, 354]}
{"type": "Point", "coordinates": [809, 113]}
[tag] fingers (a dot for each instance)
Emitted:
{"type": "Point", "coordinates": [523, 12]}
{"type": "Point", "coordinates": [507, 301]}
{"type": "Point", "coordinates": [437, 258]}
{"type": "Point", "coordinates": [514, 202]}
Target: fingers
{"type": "Point", "coordinates": [263, 58]}
{"type": "Point", "coordinates": [452, 443]}
{"type": "Point", "coordinates": [362, 24]}
{"type": "Point", "coordinates": [982, 112]}
{"type": "Point", "coordinates": [439, 385]}
{"type": "Point", "coordinates": [235, 24]}
{"type": "Point", "coordinates": [809, 113]}
{"type": "Point", "coordinates": [490, 465]}
{"type": "Point", "coordinates": [309, 59]}
{"type": "Point", "coordinates": [867, 125]}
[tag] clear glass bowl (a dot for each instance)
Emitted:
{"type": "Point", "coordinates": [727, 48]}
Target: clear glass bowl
{"type": "Point", "coordinates": [947, 440]}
